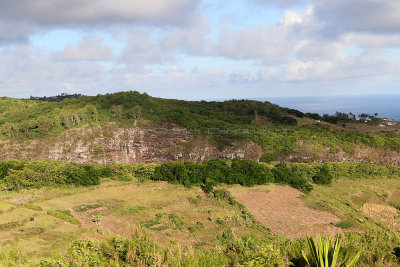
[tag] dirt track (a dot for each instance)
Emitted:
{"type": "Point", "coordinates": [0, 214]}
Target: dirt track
{"type": "Point", "coordinates": [282, 211]}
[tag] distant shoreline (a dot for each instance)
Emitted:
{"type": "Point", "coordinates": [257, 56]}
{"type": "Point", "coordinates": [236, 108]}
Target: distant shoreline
{"type": "Point", "coordinates": [385, 105]}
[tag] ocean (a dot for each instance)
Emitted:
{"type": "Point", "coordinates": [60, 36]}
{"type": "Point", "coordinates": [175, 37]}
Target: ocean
{"type": "Point", "coordinates": [387, 106]}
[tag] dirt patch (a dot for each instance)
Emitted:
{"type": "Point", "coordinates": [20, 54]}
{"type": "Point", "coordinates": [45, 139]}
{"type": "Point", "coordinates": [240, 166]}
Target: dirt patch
{"type": "Point", "coordinates": [22, 200]}
{"type": "Point", "coordinates": [395, 196]}
{"type": "Point", "coordinates": [282, 211]}
{"type": "Point", "coordinates": [384, 214]}
{"type": "Point", "coordinates": [120, 226]}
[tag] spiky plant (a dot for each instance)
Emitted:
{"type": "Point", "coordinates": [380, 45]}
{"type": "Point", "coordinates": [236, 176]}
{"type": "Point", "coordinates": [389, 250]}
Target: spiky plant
{"type": "Point", "coordinates": [324, 255]}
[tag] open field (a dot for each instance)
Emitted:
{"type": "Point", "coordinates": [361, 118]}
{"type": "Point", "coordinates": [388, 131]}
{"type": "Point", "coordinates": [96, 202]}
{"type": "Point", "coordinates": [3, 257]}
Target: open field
{"type": "Point", "coordinates": [171, 213]}
{"type": "Point", "coordinates": [41, 222]}
{"type": "Point", "coordinates": [283, 212]}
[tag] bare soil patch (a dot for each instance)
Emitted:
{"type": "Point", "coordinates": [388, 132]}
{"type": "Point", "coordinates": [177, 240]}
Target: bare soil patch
{"type": "Point", "coordinates": [282, 211]}
{"type": "Point", "coordinates": [384, 214]}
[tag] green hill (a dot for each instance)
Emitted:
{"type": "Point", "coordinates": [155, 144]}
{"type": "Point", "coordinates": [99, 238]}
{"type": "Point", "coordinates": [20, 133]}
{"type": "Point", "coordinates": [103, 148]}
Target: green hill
{"type": "Point", "coordinates": [283, 134]}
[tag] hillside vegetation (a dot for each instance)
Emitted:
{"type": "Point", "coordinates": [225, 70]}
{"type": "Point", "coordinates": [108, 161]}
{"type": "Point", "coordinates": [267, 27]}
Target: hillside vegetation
{"type": "Point", "coordinates": [279, 131]}
{"type": "Point", "coordinates": [188, 209]}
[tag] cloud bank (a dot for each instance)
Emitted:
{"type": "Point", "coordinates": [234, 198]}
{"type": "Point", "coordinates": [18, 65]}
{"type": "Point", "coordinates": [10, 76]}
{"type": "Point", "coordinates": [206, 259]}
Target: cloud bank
{"type": "Point", "coordinates": [185, 49]}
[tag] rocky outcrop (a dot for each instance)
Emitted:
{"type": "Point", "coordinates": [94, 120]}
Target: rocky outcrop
{"type": "Point", "coordinates": [104, 144]}
{"type": "Point", "coordinates": [131, 144]}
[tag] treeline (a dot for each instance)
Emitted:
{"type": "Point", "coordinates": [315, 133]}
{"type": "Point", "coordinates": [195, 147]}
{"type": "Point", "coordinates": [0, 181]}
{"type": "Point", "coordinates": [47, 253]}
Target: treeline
{"type": "Point", "coordinates": [248, 173]}
{"type": "Point", "coordinates": [56, 98]}
{"type": "Point", "coordinates": [20, 174]}
{"type": "Point", "coordinates": [16, 175]}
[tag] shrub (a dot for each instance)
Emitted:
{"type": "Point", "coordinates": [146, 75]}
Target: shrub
{"type": "Point", "coordinates": [323, 177]}
{"type": "Point", "coordinates": [226, 195]}
{"type": "Point", "coordinates": [323, 254]}
{"type": "Point", "coordinates": [292, 176]}
{"type": "Point", "coordinates": [268, 157]}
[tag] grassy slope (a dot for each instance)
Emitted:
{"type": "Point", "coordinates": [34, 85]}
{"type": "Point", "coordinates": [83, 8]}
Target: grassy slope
{"type": "Point", "coordinates": [128, 204]}
{"type": "Point", "coordinates": [132, 203]}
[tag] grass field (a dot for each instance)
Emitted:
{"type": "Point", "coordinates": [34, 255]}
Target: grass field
{"type": "Point", "coordinates": [171, 214]}
{"type": "Point", "coordinates": [40, 222]}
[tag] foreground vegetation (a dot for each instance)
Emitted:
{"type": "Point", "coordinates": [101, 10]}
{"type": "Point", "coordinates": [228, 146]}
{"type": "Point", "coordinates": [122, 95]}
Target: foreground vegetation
{"type": "Point", "coordinates": [191, 228]}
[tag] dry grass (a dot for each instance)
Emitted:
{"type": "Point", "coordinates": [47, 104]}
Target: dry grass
{"type": "Point", "coordinates": [384, 214]}
{"type": "Point", "coordinates": [123, 205]}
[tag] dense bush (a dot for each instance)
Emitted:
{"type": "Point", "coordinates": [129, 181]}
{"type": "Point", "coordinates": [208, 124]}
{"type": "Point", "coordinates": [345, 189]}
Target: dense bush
{"type": "Point", "coordinates": [268, 157]}
{"type": "Point", "coordinates": [248, 173]}
{"type": "Point", "coordinates": [324, 176]}
{"type": "Point", "coordinates": [210, 172]}
{"type": "Point", "coordinates": [17, 175]}
{"type": "Point", "coordinates": [286, 174]}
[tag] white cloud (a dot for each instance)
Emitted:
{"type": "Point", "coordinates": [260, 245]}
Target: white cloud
{"type": "Point", "coordinates": [143, 48]}
{"type": "Point", "coordinates": [90, 48]}
{"type": "Point", "coordinates": [280, 3]}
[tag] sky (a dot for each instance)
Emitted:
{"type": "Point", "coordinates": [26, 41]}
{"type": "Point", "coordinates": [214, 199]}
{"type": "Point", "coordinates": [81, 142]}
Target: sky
{"type": "Point", "coordinates": [200, 49]}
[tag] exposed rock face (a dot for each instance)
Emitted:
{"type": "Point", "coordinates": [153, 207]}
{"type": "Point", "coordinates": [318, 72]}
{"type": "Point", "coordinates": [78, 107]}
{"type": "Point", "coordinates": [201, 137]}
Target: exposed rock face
{"type": "Point", "coordinates": [103, 144]}
{"type": "Point", "coordinates": [131, 145]}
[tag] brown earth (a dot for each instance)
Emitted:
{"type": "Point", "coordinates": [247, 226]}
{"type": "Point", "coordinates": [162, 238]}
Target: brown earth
{"type": "Point", "coordinates": [282, 211]}
{"type": "Point", "coordinates": [384, 214]}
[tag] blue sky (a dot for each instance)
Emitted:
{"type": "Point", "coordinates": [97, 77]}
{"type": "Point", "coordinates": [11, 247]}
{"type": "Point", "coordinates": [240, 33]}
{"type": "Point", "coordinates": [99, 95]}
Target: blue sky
{"type": "Point", "coordinates": [200, 49]}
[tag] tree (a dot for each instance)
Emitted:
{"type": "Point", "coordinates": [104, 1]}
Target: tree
{"type": "Point", "coordinates": [364, 116]}
{"type": "Point", "coordinates": [9, 129]}
{"type": "Point", "coordinates": [44, 124]}
{"type": "Point", "coordinates": [25, 126]}
{"type": "Point", "coordinates": [93, 114]}
{"type": "Point", "coordinates": [136, 112]}
{"type": "Point", "coordinates": [117, 110]}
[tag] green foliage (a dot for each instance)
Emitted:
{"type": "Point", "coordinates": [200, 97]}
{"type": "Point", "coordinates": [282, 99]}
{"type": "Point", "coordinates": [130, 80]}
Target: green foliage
{"type": "Point", "coordinates": [28, 119]}
{"type": "Point", "coordinates": [211, 172]}
{"type": "Point", "coordinates": [248, 173]}
{"type": "Point", "coordinates": [323, 177]}
{"type": "Point", "coordinates": [16, 175]}
{"type": "Point", "coordinates": [344, 224]}
{"type": "Point", "coordinates": [33, 207]}
{"type": "Point", "coordinates": [268, 157]}
{"type": "Point", "coordinates": [64, 215]}
{"type": "Point", "coordinates": [290, 174]}
{"type": "Point", "coordinates": [324, 255]}
{"type": "Point", "coordinates": [86, 207]}
{"type": "Point", "coordinates": [265, 255]}
{"type": "Point", "coordinates": [226, 195]}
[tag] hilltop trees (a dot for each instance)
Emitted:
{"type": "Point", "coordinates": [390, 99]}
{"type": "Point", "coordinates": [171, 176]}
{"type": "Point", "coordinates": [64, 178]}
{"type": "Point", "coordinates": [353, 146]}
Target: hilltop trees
{"type": "Point", "coordinates": [135, 112]}
{"type": "Point", "coordinates": [117, 110]}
